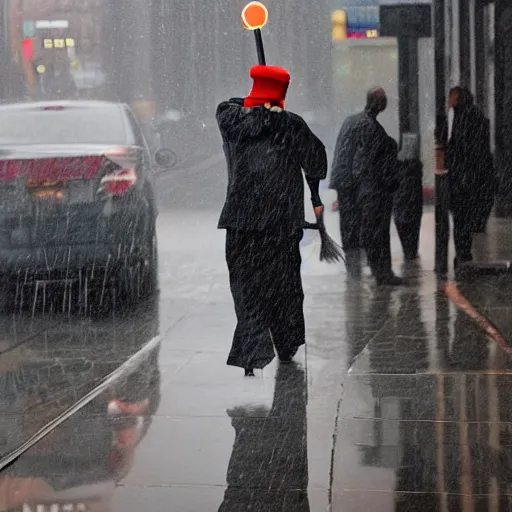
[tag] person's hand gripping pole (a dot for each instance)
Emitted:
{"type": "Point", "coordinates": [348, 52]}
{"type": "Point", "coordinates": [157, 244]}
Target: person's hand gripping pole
{"type": "Point", "coordinates": [255, 17]}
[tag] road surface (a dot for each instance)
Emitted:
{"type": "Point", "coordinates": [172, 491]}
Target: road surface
{"type": "Point", "coordinates": [400, 401]}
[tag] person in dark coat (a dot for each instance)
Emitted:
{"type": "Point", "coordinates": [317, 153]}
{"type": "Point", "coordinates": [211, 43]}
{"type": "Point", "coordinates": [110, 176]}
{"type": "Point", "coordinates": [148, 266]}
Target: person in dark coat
{"type": "Point", "coordinates": [364, 176]}
{"type": "Point", "coordinates": [408, 206]}
{"type": "Point", "coordinates": [377, 185]}
{"type": "Point", "coordinates": [471, 173]}
{"type": "Point", "coordinates": [266, 149]}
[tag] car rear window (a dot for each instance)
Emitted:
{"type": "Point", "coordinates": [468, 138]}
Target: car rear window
{"type": "Point", "coordinates": [69, 125]}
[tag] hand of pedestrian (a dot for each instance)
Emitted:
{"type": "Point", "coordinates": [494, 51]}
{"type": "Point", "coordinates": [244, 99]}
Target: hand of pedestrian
{"type": "Point", "coordinates": [319, 211]}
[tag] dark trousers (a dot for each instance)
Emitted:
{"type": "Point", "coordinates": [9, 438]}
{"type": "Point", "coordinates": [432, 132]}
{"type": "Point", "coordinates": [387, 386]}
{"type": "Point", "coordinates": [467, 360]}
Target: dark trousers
{"type": "Point", "coordinates": [266, 284]}
{"type": "Point", "coordinates": [376, 238]}
{"type": "Point", "coordinates": [350, 220]}
{"type": "Point", "coordinates": [462, 233]}
{"type": "Point", "coordinates": [483, 212]}
{"type": "Point", "coordinates": [409, 233]}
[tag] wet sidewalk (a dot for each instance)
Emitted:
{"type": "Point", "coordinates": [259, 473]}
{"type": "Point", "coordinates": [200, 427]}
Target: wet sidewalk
{"type": "Point", "coordinates": [400, 401]}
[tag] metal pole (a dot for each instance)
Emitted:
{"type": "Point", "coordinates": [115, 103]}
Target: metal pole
{"type": "Point", "coordinates": [4, 53]}
{"type": "Point", "coordinates": [479, 53]}
{"type": "Point", "coordinates": [408, 110]}
{"type": "Point", "coordinates": [442, 196]}
{"type": "Point", "coordinates": [465, 43]}
{"type": "Point", "coordinates": [259, 47]}
{"type": "Point", "coordinates": [404, 92]}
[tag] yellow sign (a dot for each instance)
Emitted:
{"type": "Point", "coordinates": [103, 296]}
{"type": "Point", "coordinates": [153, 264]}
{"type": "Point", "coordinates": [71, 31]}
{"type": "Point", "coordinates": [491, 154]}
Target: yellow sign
{"type": "Point", "coordinates": [41, 69]}
{"type": "Point", "coordinates": [58, 43]}
{"type": "Point", "coordinates": [339, 25]}
{"type": "Point", "coordinates": [372, 33]}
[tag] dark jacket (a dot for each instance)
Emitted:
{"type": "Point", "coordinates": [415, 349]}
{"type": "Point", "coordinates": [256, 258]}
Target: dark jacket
{"type": "Point", "coordinates": [375, 193]}
{"type": "Point", "coordinates": [266, 152]}
{"type": "Point", "coordinates": [377, 186]}
{"type": "Point", "coordinates": [468, 155]}
{"type": "Point", "coordinates": [360, 140]}
{"type": "Point", "coordinates": [408, 199]}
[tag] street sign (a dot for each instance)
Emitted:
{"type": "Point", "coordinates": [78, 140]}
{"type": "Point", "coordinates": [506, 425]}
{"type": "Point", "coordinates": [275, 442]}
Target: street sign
{"type": "Point", "coordinates": [52, 24]}
{"type": "Point", "coordinates": [362, 22]}
{"type": "Point", "coordinates": [49, 44]}
{"type": "Point", "coordinates": [406, 20]}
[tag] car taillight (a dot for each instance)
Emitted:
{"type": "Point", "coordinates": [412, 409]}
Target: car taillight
{"type": "Point", "coordinates": [118, 181]}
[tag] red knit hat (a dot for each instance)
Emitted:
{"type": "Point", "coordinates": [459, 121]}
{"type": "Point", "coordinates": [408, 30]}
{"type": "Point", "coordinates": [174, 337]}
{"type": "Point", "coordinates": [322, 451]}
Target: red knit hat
{"type": "Point", "coordinates": [270, 86]}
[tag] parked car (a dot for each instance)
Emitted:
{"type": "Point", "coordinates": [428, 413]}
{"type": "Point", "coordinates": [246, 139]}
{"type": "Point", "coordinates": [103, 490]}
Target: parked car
{"type": "Point", "coordinates": [77, 200]}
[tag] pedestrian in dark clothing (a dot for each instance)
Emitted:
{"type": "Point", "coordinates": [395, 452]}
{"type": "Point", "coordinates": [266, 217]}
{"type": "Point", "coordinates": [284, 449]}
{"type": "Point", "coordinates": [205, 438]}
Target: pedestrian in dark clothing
{"type": "Point", "coordinates": [343, 180]}
{"type": "Point", "coordinates": [266, 149]}
{"type": "Point", "coordinates": [364, 176]}
{"type": "Point", "coordinates": [408, 206]}
{"type": "Point", "coordinates": [471, 173]}
{"type": "Point", "coordinates": [375, 195]}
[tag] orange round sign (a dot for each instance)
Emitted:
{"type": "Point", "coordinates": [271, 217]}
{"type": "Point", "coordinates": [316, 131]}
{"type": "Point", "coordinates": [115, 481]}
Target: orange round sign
{"type": "Point", "coordinates": [254, 16]}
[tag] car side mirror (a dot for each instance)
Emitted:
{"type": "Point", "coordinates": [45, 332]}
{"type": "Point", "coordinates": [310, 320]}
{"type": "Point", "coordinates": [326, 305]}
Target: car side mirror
{"type": "Point", "coordinates": [165, 158]}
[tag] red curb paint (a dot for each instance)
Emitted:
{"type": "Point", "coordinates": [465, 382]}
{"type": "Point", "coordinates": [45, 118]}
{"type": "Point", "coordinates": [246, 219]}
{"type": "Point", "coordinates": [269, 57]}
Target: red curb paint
{"type": "Point", "coordinates": [453, 293]}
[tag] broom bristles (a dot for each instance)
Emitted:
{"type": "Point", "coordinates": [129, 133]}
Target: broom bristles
{"type": "Point", "coordinates": [330, 251]}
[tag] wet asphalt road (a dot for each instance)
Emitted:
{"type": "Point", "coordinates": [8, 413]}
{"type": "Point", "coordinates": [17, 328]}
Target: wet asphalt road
{"type": "Point", "coordinates": [399, 402]}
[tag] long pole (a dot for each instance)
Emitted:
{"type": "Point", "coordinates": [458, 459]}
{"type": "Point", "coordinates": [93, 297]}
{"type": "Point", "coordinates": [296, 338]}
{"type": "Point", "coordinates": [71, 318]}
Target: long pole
{"type": "Point", "coordinates": [259, 47]}
{"type": "Point", "coordinates": [442, 197]}
{"type": "Point", "coordinates": [4, 57]}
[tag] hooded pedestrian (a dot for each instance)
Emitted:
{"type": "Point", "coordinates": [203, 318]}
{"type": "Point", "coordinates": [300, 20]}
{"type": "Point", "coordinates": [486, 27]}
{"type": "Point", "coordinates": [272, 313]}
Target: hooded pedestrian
{"type": "Point", "coordinates": [471, 173]}
{"type": "Point", "coordinates": [266, 149]}
{"type": "Point", "coordinates": [408, 206]}
{"type": "Point", "coordinates": [364, 174]}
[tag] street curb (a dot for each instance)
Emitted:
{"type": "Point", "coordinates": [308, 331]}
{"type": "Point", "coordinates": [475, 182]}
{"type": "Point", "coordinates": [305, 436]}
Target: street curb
{"type": "Point", "coordinates": [476, 269]}
{"type": "Point", "coordinates": [107, 381]}
{"type": "Point", "coordinates": [492, 332]}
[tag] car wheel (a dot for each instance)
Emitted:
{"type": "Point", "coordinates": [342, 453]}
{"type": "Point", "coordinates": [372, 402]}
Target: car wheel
{"type": "Point", "coordinates": [136, 278]}
{"type": "Point", "coordinates": [9, 296]}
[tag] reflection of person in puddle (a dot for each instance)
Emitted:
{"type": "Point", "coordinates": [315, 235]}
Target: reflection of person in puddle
{"type": "Point", "coordinates": [268, 469]}
{"type": "Point", "coordinates": [77, 466]}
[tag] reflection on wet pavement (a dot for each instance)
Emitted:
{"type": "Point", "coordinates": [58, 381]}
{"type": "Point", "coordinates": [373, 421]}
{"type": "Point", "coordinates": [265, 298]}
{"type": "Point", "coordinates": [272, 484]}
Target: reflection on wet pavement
{"type": "Point", "coordinates": [77, 466]}
{"type": "Point", "coordinates": [399, 402]}
{"type": "Point", "coordinates": [48, 363]}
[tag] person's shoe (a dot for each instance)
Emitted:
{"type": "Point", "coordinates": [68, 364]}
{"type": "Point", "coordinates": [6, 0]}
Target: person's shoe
{"type": "Point", "coordinates": [411, 257]}
{"type": "Point", "coordinates": [249, 372]}
{"type": "Point", "coordinates": [287, 356]}
{"type": "Point", "coordinates": [390, 280]}
{"type": "Point", "coordinates": [457, 262]}
{"type": "Point", "coordinates": [353, 262]}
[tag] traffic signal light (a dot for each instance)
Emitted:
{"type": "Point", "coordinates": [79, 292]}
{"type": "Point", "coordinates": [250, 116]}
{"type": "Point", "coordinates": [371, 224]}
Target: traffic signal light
{"type": "Point", "coordinates": [27, 46]}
